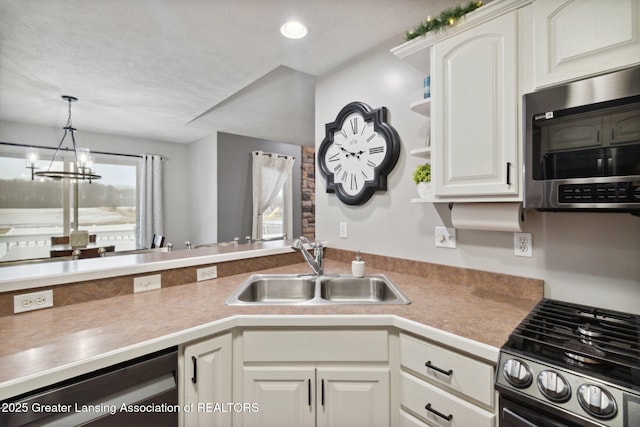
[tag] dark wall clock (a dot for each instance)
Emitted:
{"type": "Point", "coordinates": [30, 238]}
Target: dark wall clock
{"type": "Point", "coordinates": [357, 153]}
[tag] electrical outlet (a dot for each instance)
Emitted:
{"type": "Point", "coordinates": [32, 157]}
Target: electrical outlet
{"type": "Point", "coordinates": [206, 273]}
{"type": "Point", "coordinates": [523, 244]}
{"type": "Point", "coordinates": [32, 301]}
{"type": "Point", "coordinates": [343, 230]}
{"type": "Point", "coordinates": [445, 237]}
{"type": "Point", "coordinates": [146, 283]}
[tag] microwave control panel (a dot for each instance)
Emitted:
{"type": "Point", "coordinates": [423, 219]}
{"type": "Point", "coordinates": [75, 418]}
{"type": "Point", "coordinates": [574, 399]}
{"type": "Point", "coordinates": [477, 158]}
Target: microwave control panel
{"type": "Point", "coordinates": [617, 192]}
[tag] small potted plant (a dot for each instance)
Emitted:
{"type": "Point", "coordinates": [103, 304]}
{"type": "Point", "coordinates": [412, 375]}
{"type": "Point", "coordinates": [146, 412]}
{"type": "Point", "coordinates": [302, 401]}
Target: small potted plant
{"type": "Point", "coordinates": [422, 177]}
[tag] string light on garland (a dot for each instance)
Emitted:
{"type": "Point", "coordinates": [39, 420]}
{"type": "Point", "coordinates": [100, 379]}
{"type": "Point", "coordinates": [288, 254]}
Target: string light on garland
{"type": "Point", "coordinates": [446, 18]}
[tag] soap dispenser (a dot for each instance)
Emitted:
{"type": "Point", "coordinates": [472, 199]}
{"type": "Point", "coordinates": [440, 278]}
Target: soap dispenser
{"type": "Point", "coordinates": [357, 266]}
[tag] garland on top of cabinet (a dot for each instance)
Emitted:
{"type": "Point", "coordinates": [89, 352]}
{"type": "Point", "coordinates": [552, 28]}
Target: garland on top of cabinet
{"type": "Point", "coordinates": [447, 17]}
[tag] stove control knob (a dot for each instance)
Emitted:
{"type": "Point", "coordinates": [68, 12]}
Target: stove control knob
{"type": "Point", "coordinates": [596, 401]}
{"type": "Point", "coordinates": [517, 373]}
{"type": "Point", "coordinates": [554, 386]}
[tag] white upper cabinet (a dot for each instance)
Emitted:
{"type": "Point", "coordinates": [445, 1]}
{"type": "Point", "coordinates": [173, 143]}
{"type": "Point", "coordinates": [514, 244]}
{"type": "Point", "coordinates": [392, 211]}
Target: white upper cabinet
{"type": "Point", "coordinates": [578, 38]}
{"type": "Point", "coordinates": [474, 118]}
{"type": "Point", "coordinates": [479, 68]}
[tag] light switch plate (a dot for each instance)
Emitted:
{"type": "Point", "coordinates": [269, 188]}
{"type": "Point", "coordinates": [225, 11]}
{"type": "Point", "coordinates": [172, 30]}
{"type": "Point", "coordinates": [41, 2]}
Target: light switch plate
{"type": "Point", "coordinates": [343, 230]}
{"type": "Point", "coordinates": [445, 237]}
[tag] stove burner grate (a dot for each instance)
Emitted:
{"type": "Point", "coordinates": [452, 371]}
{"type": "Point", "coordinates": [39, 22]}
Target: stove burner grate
{"type": "Point", "coordinates": [593, 339]}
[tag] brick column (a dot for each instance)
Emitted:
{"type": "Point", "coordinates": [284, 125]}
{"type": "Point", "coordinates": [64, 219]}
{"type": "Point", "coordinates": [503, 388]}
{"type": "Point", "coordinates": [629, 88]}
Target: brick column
{"type": "Point", "coordinates": [308, 192]}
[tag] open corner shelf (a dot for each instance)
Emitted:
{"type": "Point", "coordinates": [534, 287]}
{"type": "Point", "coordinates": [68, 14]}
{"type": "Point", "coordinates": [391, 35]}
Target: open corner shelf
{"type": "Point", "coordinates": [422, 106]}
{"type": "Point", "coordinates": [424, 152]}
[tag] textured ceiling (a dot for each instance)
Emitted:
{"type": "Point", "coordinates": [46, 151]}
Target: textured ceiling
{"type": "Point", "coordinates": [179, 70]}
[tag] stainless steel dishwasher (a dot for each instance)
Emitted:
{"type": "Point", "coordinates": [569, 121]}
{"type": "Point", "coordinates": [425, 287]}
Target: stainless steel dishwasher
{"type": "Point", "coordinates": [140, 392]}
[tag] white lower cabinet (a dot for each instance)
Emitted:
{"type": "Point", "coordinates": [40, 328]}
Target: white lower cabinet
{"type": "Point", "coordinates": [315, 377]}
{"type": "Point", "coordinates": [352, 396]}
{"type": "Point", "coordinates": [440, 386]}
{"type": "Point", "coordinates": [206, 379]}
{"type": "Point", "coordinates": [437, 407]}
{"type": "Point", "coordinates": [332, 377]}
{"type": "Point", "coordinates": [285, 396]}
{"type": "Point", "coordinates": [408, 420]}
{"type": "Point", "coordinates": [323, 396]}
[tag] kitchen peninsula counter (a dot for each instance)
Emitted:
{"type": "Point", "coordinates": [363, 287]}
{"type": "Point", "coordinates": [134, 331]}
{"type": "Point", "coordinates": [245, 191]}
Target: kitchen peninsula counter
{"type": "Point", "coordinates": [51, 273]}
{"type": "Point", "coordinates": [46, 346]}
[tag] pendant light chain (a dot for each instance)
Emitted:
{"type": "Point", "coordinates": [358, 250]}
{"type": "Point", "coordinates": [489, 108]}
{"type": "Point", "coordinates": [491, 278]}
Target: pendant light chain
{"type": "Point", "coordinates": [82, 172]}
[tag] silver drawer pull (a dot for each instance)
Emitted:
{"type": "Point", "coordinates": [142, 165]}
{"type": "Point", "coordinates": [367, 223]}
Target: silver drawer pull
{"type": "Point", "coordinates": [438, 413]}
{"type": "Point", "coordinates": [435, 368]}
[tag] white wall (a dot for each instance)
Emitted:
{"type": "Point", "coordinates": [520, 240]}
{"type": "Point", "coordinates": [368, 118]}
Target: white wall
{"type": "Point", "coordinates": [202, 212]}
{"type": "Point", "coordinates": [585, 258]}
{"type": "Point", "coordinates": [176, 199]}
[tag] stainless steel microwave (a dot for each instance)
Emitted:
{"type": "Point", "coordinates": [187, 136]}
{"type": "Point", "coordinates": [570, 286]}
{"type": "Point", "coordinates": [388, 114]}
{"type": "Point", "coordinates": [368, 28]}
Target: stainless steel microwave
{"type": "Point", "coordinates": [582, 145]}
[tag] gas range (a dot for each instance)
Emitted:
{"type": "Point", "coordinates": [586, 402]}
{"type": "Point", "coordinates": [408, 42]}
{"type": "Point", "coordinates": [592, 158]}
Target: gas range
{"type": "Point", "coordinates": [568, 364]}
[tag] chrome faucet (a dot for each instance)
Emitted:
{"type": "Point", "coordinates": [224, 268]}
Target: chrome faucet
{"type": "Point", "coordinates": [315, 261]}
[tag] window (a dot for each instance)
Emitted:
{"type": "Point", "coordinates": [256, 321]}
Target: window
{"type": "Point", "coordinates": [276, 219]}
{"type": "Point", "coordinates": [31, 211]}
{"type": "Point", "coordinates": [272, 194]}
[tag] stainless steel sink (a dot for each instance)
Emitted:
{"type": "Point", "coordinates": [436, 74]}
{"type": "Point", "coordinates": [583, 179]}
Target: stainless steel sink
{"type": "Point", "coordinates": [349, 289]}
{"type": "Point", "coordinates": [279, 289]}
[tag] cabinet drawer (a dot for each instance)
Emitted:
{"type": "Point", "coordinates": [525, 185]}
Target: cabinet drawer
{"type": "Point", "coordinates": [468, 376]}
{"type": "Point", "coordinates": [315, 346]}
{"type": "Point", "coordinates": [408, 420]}
{"type": "Point", "coordinates": [415, 395]}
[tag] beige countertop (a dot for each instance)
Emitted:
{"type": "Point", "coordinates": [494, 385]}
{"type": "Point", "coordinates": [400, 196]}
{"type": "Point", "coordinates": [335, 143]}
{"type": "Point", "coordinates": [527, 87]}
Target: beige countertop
{"type": "Point", "coordinates": [45, 346]}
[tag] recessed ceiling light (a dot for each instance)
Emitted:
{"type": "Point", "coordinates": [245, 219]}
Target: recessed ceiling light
{"type": "Point", "coordinates": [293, 30]}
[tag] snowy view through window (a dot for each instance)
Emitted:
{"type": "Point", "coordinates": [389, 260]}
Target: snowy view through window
{"type": "Point", "coordinates": [33, 211]}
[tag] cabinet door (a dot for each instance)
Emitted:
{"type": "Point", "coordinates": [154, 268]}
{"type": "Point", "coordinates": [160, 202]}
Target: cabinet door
{"type": "Point", "coordinates": [474, 119]}
{"type": "Point", "coordinates": [284, 396]}
{"type": "Point", "coordinates": [574, 39]}
{"type": "Point", "coordinates": [352, 397]}
{"type": "Point", "coordinates": [207, 381]}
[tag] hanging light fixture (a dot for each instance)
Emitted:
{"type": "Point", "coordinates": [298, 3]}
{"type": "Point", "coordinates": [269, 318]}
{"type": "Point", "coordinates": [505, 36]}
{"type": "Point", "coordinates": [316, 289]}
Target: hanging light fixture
{"type": "Point", "coordinates": [82, 166]}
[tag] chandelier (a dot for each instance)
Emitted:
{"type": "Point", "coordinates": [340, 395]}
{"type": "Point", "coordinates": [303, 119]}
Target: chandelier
{"type": "Point", "coordinates": [82, 166]}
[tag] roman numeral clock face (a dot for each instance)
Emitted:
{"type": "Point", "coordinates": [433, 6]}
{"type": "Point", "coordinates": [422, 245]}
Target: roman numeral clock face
{"type": "Point", "coordinates": [358, 152]}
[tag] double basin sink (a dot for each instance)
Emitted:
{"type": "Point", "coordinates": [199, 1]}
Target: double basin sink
{"type": "Point", "coordinates": [286, 289]}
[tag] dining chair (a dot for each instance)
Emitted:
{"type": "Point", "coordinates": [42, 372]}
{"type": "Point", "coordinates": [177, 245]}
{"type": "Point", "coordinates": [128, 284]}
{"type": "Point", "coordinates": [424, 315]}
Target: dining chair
{"type": "Point", "coordinates": [64, 240]}
{"type": "Point", "coordinates": [59, 240]}
{"type": "Point", "coordinates": [158, 241]}
{"type": "Point", "coordinates": [95, 252]}
{"type": "Point", "coordinates": [84, 252]}
{"type": "Point", "coordinates": [56, 253]}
